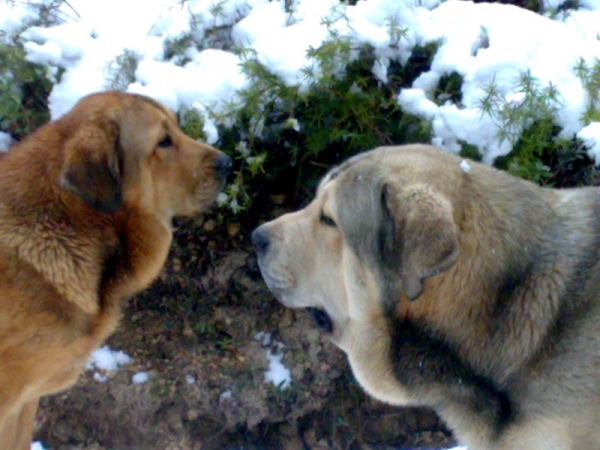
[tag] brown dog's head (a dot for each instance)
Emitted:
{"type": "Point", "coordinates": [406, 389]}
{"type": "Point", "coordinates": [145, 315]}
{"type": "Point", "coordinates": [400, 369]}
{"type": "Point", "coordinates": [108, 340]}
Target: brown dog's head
{"type": "Point", "coordinates": [126, 148]}
{"type": "Point", "coordinates": [380, 225]}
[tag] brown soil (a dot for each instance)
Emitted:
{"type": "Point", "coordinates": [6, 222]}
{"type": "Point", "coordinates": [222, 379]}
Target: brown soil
{"type": "Point", "coordinates": [194, 332]}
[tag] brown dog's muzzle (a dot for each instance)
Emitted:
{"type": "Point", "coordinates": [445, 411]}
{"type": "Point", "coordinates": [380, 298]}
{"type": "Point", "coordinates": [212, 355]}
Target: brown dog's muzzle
{"type": "Point", "coordinates": [223, 166]}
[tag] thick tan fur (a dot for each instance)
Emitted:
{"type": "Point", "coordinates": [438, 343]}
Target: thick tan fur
{"type": "Point", "coordinates": [86, 209]}
{"type": "Point", "coordinates": [469, 291]}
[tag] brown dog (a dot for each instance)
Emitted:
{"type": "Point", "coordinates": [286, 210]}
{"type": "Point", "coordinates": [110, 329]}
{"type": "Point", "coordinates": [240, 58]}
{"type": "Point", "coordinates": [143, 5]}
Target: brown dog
{"type": "Point", "coordinates": [469, 291]}
{"type": "Point", "coordinates": [86, 209]}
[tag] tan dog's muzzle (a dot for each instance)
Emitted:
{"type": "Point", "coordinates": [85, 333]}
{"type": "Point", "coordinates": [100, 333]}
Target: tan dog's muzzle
{"type": "Point", "coordinates": [277, 277]}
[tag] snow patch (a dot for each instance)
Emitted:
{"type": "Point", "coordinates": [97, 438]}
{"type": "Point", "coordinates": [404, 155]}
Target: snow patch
{"type": "Point", "coordinates": [263, 337]}
{"type": "Point", "coordinates": [100, 378]}
{"type": "Point", "coordinates": [590, 135]}
{"type": "Point", "coordinates": [277, 374]}
{"type": "Point", "coordinates": [140, 378]}
{"type": "Point", "coordinates": [465, 167]}
{"type": "Point", "coordinates": [5, 141]}
{"type": "Point", "coordinates": [484, 43]}
{"type": "Point", "coordinates": [227, 395]}
{"type": "Point", "coordinates": [106, 359]}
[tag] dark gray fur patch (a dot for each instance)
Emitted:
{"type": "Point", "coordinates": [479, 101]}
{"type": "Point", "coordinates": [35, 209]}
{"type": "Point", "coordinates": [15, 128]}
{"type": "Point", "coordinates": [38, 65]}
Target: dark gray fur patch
{"type": "Point", "coordinates": [420, 360]}
{"type": "Point", "coordinates": [369, 229]}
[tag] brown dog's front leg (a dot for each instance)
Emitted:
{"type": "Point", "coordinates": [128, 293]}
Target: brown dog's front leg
{"type": "Point", "coordinates": [17, 431]}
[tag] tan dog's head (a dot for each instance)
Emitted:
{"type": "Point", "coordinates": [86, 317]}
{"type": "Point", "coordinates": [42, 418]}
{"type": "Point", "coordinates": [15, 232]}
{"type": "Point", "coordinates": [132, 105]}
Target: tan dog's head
{"type": "Point", "coordinates": [380, 225]}
{"type": "Point", "coordinates": [128, 149]}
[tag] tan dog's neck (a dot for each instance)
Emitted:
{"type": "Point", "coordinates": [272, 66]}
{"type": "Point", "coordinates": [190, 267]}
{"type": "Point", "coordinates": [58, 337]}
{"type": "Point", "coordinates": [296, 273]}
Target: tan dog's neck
{"type": "Point", "coordinates": [495, 249]}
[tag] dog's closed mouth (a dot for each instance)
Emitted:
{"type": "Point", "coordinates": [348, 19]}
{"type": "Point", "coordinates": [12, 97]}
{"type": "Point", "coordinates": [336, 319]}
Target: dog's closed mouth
{"type": "Point", "coordinates": [181, 221]}
{"type": "Point", "coordinates": [321, 319]}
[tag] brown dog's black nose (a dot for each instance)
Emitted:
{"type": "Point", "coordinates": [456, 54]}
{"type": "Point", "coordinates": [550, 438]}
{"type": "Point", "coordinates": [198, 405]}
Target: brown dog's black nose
{"type": "Point", "coordinates": [260, 239]}
{"type": "Point", "coordinates": [223, 165]}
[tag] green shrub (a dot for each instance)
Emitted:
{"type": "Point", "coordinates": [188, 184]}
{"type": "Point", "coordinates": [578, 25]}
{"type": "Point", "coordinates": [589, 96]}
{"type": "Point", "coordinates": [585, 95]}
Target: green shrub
{"type": "Point", "coordinates": [287, 136]}
{"type": "Point", "coordinates": [284, 137]}
{"type": "Point", "coordinates": [590, 77]}
{"type": "Point", "coordinates": [528, 122]}
{"type": "Point", "coordinates": [24, 86]}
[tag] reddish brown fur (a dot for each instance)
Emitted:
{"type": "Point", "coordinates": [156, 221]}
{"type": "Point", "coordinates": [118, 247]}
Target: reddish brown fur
{"type": "Point", "coordinates": [86, 206]}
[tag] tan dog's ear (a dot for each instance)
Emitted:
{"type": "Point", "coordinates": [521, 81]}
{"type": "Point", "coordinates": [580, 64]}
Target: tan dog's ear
{"type": "Point", "coordinates": [92, 167]}
{"type": "Point", "coordinates": [425, 234]}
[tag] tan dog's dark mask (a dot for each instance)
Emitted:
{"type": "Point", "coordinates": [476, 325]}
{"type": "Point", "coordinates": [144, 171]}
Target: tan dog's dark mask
{"type": "Point", "coordinates": [407, 231]}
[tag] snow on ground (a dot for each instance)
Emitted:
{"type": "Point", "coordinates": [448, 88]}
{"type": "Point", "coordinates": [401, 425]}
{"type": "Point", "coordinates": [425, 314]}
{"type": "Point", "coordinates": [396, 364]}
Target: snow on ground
{"type": "Point", "coordinates": [485, 43]}
{"type": "Point", "coordinates": [5, 141]}
{"type": "Point", "coordinates": [107, 360]}
{"type": "Point", "coordinates": [277, 373]}
{"type": "Point", "coordinates": [465, 167]}
{"type": "Point", "coordinates": [140, 378]}
{"type": "Point", "coordinates": [225, 396]}
{"type": "Point", "coordinates": [263, 337]}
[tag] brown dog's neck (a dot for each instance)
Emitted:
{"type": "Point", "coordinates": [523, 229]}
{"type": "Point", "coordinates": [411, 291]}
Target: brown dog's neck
{"type": "Point", "coordinates": [146, 240]}
{"type": "Point", "coordinates": [95, 260]}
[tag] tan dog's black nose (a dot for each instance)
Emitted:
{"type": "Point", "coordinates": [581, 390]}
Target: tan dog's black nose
{"type": "Point", "coordinates": [223, 165]}
{"type": "Point", "coordinates": [260, 239]}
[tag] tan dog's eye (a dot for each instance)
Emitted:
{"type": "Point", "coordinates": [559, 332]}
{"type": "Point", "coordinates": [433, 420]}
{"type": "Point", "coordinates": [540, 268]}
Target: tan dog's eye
{"type": "Point", "coordinates": [166, 142]}
{"type": "Point", "coordinates": [327, 220]}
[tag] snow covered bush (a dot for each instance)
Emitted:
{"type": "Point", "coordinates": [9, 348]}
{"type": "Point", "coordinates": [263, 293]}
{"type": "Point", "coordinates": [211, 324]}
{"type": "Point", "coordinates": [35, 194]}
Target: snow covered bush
{"type": "Point", "coordinates": [24, 86]}
{"type": "Point", "coordinates": [289, 87]}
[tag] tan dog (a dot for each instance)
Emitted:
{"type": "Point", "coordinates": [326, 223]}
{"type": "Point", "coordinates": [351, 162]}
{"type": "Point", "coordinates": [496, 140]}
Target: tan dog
{"type": "Point", "coordinates": [86, 209]}
{"type": "Point", "coordinates": [469, 291]}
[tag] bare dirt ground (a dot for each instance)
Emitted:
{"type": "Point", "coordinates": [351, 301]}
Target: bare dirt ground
{"type": "Point", "coordinates": [194, 332]}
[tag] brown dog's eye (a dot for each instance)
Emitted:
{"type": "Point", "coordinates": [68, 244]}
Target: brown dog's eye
{"type": "Point", "coordinates": [327, 220]}
{"type": "Point", "coordinates": [166, 142]}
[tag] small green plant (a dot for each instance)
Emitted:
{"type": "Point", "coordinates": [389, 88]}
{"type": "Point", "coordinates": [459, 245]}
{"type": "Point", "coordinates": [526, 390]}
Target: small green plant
{"type": "Point", "coordinates": [449, 89]}
{"type": "Point", "coordinates": [526, 120]}
{"type": "Point", "coordinates": [121, 71]}
{"type": "Point", "coordinates": [531, 103]}
{"type": "Point", "coordinates": [590, 78]}
{"type": "Point", "coordinates": [24, 88]}
{"type": "Point", "coordinates": [192, 124]}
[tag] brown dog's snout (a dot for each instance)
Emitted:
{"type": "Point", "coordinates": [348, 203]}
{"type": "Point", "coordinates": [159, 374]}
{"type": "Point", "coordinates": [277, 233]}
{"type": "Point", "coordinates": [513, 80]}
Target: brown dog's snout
{"type": "Point", "coordinates": [260, 240]}
{"type": "Point", "coordinates": [223, 165]}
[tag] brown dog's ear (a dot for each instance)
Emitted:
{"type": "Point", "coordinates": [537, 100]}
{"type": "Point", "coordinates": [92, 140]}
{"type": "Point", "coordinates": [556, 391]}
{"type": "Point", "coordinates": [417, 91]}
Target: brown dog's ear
{"type": "Point", "coordinates": [425, 234]}
{"type": "Point", "coordinates": [92, 167]}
